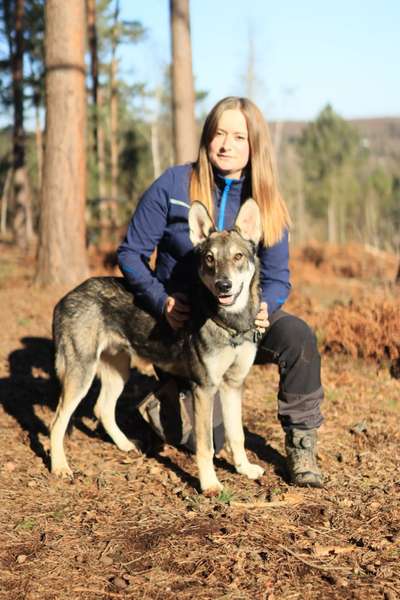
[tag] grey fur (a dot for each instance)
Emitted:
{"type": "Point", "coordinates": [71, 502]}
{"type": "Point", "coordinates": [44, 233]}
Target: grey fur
{"type": "Point", "coordinates": [99, 329]}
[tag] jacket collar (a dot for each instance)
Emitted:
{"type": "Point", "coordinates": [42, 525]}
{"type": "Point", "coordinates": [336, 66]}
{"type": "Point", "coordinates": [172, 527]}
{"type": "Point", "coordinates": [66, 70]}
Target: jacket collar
{"type": "Point", "coordinates": [221, 180]}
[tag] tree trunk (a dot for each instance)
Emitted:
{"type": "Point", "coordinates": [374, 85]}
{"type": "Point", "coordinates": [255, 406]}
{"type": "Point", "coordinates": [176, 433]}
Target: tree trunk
{"type": "Point", "coordinates": [332, 222]}
{"type": "Point", "coordinates": [5, 201]}
{"type": "Point", "coordinates": [94, 68]}
{"type": "Point", "coordinates": [332, 237]}
{"type": "Point", "coordinates": [113, 204]}
{"type": "Point", "coordinates": [301, 220]}
{"type": "Point", "coordinates": [155, 136]}
{"type": "Point", "coordinates": [62, 257]}
{"type": "Point", "coordinates": [183, 118]}
{"type": "Point", "coordinates": [22, 224]}
{"type": "Point", "coordinates": [104, 219]}
{"type": "Point", "coordinates": [114, 142]}
{"type": "Point", "coordinates": [250, 74]}
{"type": "Point", "coordinates": [155, 148]}
{"type": "Point", "coordinates": [39, 146]}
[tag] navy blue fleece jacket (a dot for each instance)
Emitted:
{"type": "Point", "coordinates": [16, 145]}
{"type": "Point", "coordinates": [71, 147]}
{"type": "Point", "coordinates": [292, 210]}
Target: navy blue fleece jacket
{"type": "Point", "coordinates": [161, 219]}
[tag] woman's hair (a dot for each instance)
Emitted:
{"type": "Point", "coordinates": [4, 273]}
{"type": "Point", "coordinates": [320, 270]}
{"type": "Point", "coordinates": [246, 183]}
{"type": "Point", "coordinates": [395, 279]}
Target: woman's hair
{"type": "Point", "coordinates": [260, 169]}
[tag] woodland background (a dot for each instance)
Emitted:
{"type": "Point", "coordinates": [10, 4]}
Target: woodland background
{"type": "Point", "coordinates": [341, 179]}
{"type": "Point", "coordinates": [77, 148]}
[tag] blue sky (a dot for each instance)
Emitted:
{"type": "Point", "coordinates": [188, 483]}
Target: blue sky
{"type": "Point", "coordinates": [307, 53]}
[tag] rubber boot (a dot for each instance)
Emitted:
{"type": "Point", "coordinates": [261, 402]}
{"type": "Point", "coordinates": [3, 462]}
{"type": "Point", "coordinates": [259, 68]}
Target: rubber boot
{"type": "Point", "coordinates": [301, 460]}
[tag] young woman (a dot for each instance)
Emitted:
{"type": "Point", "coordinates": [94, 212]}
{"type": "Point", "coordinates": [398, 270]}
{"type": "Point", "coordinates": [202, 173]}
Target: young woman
{"type": "Point", "coordinates": [235, 161]}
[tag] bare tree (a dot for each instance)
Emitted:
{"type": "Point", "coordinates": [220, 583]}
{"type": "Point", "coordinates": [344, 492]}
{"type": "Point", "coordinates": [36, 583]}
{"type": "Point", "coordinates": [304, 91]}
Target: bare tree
{"type": "Point", "coordinates": [250, 79]}
{"type": "Point", "coordinates": [114, 118]}
{"type": "Point", "coordinates": [94, 63]}
{"type": "Point", "coordinates": [20, 189]}
{"type": "Point", "coordinates": [97, 110]}
{"type": "Point", "coordinates": [184, 123]}
{"type": "Point", "coordinates": [62, 254]}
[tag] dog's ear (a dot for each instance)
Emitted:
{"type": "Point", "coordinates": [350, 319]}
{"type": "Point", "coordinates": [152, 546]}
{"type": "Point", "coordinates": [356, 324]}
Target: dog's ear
{"type": "Point", "coordinates": [200, 223]}
{"type": "Point", "coordinates": [248, 221]}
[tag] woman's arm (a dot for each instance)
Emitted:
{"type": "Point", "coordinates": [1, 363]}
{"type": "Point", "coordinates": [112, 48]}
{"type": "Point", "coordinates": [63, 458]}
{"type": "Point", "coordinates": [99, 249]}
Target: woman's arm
{"type": "Point", "coordinates": [274, 274]}
{"type": "Point", "coordinates": [145, 230]}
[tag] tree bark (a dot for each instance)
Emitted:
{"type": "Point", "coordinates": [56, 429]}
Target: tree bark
{"type": "Point", "coordinates": [62, 257]}
{"type": "Point", "coordinates": [22, 224]}
{"type": "Point", "coordinates": [332, 237]}
{"type": "Point", "coordinates": [5, 200]}
{"type": "Point", "coordinates": [113, 204]}
{"type": "Point", "coordinates": [183, 117]}
{"type": "Point", "coordinates": [39, 146]}
{"type": "Point", "coordinates": [94, 68]}
{"type": "Point", "coordinates": [104, 220]}
{"type": "Point", "coordinates": [114, 142]}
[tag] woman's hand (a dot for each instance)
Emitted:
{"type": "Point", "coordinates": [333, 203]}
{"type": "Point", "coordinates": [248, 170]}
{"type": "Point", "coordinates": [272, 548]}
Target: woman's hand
{"type": "Point", "coordinates": [262, 318]}
{"type": "Point", "coordinates": [177, 310]}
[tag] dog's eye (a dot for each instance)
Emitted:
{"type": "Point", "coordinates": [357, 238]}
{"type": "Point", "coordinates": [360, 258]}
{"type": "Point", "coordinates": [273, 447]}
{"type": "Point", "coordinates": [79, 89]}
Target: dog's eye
{"type": "Point", "coordinates": [238, 256]}
{"type": "Point", "coordinates": [209, 259]}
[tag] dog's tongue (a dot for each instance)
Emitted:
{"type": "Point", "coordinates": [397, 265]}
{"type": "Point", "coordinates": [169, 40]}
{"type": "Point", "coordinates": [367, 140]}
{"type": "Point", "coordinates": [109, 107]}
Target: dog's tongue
{"type": "Point", "coordinates": [225, 299]}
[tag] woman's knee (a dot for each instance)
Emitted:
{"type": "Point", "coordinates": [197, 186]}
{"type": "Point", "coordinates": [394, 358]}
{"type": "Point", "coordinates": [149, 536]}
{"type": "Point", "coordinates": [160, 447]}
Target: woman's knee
{"type": "Point", "coordinates": [294, 335]}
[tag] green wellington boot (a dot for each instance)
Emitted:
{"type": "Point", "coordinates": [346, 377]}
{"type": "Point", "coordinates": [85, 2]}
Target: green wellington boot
{"type": "Point", "coordinates": [301, 460]}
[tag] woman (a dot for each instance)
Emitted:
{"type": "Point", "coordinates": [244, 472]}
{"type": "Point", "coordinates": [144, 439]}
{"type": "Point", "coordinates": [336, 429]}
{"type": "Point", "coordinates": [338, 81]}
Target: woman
{"type": "Point", "coordinates": [235, 161]}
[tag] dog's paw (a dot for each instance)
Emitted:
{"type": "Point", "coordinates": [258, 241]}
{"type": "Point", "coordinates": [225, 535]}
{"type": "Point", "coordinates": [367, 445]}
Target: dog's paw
{"type": "Point", "coordinates": [128, 446]}
{"type": "Point", "coordinates": [62, 472]}
{"type": "Point", "coordinates": [210, 486]}
{"type": "Point", "coordinates": [251, 471]}
{"type": "Point", "coordinates": [213, 490]}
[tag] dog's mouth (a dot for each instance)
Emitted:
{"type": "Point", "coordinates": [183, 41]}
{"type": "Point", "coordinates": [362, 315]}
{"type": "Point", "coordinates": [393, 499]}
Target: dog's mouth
{"type": "Point", "coordinates": [228, 299]}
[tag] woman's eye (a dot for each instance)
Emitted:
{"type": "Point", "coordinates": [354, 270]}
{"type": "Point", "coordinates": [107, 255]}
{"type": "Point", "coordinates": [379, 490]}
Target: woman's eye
{"type": "Point", "coordinates": [238, 256]}
{"type": "Point", "coordinates": [209, 259]}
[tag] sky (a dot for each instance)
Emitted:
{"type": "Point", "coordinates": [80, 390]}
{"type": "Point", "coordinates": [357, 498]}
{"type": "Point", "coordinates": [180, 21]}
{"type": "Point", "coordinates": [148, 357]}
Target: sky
{"type": "Point", "coordinates": [307, 53]}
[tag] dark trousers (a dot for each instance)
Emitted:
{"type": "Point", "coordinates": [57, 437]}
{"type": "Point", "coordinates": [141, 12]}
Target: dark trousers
{"type": "Point", "coordinates": [291, 344]}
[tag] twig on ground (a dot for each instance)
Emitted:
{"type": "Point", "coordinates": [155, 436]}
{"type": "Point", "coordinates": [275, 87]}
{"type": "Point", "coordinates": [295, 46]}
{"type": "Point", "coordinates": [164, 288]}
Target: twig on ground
{"type": "Point", "coordinates": [309, 563]}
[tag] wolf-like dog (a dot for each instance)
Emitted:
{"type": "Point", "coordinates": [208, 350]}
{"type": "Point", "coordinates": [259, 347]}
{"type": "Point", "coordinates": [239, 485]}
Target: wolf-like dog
{"type": "Point", "coordinates": [98, 329]}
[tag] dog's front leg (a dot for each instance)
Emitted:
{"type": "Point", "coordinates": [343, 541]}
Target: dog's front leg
{"type": "Point", "coordinates": [231, 401]}
{"type": "Point", "coordinates": [203, 409]}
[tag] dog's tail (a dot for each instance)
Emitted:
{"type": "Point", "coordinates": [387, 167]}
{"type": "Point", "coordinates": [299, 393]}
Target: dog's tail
{"type": "Point", "coordinates": [60, 364]}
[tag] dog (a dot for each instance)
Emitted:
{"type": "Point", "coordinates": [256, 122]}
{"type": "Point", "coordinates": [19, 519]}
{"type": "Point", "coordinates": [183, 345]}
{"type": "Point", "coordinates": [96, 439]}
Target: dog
{"type": "Point", "coordinates": [98, 329]}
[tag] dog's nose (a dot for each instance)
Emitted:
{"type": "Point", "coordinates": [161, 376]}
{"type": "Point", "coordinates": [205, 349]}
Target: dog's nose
{"type": "Point", "coordinates": [223, 286]}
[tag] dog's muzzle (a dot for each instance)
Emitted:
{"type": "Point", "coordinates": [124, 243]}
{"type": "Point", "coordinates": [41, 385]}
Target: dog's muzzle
{"type": "Point", "coordinates": [225, 296]}
{"type": "Point", "coordinates": [223, 286]}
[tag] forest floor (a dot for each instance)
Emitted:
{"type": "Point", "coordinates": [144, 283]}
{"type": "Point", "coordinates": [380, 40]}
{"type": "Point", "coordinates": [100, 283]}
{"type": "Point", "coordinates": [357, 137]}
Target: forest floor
{"type": "Point", "coordinates": [132, 526]}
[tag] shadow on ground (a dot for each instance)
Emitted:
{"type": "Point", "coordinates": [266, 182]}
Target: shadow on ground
{"type": "Point", "coordinates": [257, 444]}
{"type": "Point", "coordinates": [32, 383]}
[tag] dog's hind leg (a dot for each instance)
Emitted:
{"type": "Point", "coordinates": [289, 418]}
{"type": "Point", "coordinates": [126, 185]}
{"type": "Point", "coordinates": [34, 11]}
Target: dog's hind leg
{"type": "Point", "coordinates": [76, 382]}
{"type": "Point", "coordinates": [113, 371]}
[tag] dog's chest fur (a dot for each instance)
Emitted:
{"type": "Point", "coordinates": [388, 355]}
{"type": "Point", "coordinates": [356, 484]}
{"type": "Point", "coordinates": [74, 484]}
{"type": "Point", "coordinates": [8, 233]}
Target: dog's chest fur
{"type": "Point", "coordinates": [205, 355]}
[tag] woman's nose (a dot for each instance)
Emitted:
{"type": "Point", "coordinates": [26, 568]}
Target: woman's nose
{"type": "Point", "coordinates": [226, 142]}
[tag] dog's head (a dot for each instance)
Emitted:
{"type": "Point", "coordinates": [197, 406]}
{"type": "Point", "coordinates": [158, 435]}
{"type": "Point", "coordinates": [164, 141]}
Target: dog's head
{"type": "Point", "coordinates": [228, 259]}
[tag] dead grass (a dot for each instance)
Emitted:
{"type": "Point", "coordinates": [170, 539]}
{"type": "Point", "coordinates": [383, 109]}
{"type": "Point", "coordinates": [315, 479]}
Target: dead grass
{"type": "Point", "coordinates": [136, 527]}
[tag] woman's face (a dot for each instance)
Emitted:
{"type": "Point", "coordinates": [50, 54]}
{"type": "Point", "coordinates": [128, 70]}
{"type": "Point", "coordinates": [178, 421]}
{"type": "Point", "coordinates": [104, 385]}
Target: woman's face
{"type": "Point", "coordinates": [229, 150]}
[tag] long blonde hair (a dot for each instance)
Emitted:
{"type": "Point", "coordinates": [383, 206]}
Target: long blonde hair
{"type": "Point", "coordinates": [260, 169]}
